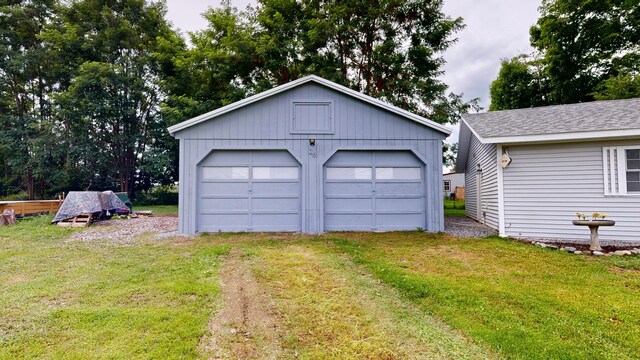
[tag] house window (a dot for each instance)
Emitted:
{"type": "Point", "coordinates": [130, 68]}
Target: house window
{"type": "Point", "coordinates": [447, 185]}
{"type": "Point", "coordinates": [633, 170]}
{"type": "Point", "coordinates": [621, 170]}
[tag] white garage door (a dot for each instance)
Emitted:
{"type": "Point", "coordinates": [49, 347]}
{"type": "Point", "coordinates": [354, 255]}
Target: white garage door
{"type": "Point", "coordinates": [374, 190]}
{"type": "Point", "coordinates": [249, 191]}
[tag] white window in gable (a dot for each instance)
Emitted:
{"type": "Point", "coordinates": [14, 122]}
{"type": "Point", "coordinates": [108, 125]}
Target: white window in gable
{"type": "Point", "coordinates": [621, 170]}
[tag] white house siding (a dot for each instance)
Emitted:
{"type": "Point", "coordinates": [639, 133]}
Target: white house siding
{"type": "Point", "coordinates": [486, 156]}
{"type": "Point", "coordinates": [546, 185]}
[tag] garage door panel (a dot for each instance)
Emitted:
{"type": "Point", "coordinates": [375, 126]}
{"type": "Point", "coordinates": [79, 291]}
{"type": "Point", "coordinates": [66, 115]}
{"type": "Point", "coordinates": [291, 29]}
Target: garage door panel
{"type": "Point", "coordinates": [407, 205]}
{"type": "Point", "coordinates": [349, 205]}
{"type": "Point", "coordinates": [276, 222]}
{"type": "Point", "coordinates": [228, 188]}
{"type": "Point", "coordinates": [249, 191]}
{"type": "Point", "coordinates": [403, 221]}
{"type": "Point", "coordinates": [276, 188]}
{"type": "Point", "coordinates": [273, 158]}
{"type": "Point", "coordinates": [396, 158]}
{"type": "Point", "coordinates": [399, 188]}
{"type": "Point", "coordinates": [223, 222]}
{"type": "Point", "coordinates": [388, 196]}
{"type": "Point", "coordinates": [347, 188]}
{"type": "Point", "coordinates": [276, 205]}
{"type": "Point", "coordinates": [350, 158]}
{"type": "Point", "coordinates": [229, 204]}
{"type": "Point", "coordinates": [348, 222]}
{"type": "Point", "coordinates": [227, 158]}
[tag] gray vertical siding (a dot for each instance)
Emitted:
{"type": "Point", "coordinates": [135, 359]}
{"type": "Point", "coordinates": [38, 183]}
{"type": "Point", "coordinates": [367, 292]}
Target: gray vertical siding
{"type": "Point", "coordinates": [547, 184]}
{"type": "Point", "coordinates": [486, 156]}
{"type": "Point", "coordinates": [268, 124]}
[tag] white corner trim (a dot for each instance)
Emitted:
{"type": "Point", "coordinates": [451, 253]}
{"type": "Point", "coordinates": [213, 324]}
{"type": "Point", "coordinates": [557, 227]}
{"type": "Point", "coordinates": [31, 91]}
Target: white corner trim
{"type": "Point", "coordinates": [310, 78]}
{"type": "Point", "coordinates": [501, 222]}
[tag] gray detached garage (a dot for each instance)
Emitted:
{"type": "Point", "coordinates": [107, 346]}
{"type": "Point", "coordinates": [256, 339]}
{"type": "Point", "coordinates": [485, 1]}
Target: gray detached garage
{"type": "Point", "coordinates": [310, 156]}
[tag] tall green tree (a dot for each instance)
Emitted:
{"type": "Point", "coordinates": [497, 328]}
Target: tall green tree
{"type": "Point", "coordinates": [585, 42]}
{"type": "Point", "coordinates": [389, 49]}
{"type": "Point", "coordinates": [111, 107]}
{"type": "Point", "coordinates": [589, 50]}
{"type": "Point", "coordinates": [27, 84]}
{"type": "Point", "coordinates": [519, 85]}
{"type": "Point", "coordinates": [618, 87]}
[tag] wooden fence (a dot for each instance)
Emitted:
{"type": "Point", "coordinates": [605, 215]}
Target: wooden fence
{"type": "Point", "coordinates": [23, 208]}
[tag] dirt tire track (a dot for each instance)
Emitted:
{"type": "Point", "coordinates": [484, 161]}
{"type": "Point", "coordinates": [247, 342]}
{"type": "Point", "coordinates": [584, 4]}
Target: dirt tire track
{"type": "Point", "coordinates": [246, 326]}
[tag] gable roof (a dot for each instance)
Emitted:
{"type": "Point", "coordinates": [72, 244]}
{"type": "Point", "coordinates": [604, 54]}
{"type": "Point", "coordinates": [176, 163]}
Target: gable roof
{"type": "Point", "coordinates": [582, 121]}
{"type": "Point", "coordinates": [597, 120]}
{"type": "Point", "coordinates": [307, 79]}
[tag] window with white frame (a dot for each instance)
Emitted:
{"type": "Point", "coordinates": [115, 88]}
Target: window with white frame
{"type": "Point", "coordinates": [447, 186]}
{"type": "Point", "coordinates": [621, 170]}
{"type": "Point", "coordinates": [633, 170]}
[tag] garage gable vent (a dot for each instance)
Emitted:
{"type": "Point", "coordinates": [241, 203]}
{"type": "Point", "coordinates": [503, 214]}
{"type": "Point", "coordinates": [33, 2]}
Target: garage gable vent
{"type": "Point", "coordinates": [312, 117]}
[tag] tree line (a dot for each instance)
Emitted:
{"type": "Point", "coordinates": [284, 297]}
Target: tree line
{"type": "Point", "coordinates": [88, 87]}
{"type": "Point", "coordinates": [585, 50]}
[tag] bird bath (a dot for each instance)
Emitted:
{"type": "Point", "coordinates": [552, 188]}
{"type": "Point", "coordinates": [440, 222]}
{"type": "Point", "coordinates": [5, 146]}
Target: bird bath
{"type": "Point", "coordinates": [593, 226]}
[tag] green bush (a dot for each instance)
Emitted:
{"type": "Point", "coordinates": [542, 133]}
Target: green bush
{"type": "Point", "coordinates": [159, 195]}
{"type": "Point", "coordinates": [15, 197]}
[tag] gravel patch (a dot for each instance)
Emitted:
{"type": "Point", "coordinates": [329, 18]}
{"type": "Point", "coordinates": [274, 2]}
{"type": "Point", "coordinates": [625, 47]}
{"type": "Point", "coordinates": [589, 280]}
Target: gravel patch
{"type": "Point", "coordinates": [126, 231]}
{"type": "Point", "coordinates": [465, 227]}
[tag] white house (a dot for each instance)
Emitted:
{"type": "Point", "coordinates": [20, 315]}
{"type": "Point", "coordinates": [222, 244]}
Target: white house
{"type": "Point", "coordinates": [451, 181]}
{"type": "Point", "coordinates": [528, 171]}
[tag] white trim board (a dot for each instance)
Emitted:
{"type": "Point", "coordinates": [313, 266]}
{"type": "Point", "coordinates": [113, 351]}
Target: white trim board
{"type": "Point", "coordinates": [560, 137]}
{"type": "Point", "coordinates": [502, 231]}
{"type": "Point", "coordinates": [310, 78]}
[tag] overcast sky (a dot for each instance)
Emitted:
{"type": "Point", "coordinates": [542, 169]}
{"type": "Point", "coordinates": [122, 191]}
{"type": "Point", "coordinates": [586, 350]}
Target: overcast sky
{"type": "Point", "coordinates": [496, 29]}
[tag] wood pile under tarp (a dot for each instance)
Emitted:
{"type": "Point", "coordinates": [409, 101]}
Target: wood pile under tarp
{"type": "Point", "coordinates": [78, 205]}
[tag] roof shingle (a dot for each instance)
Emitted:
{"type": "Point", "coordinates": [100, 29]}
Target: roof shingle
{"type": "Point", "coordinates": [558, 119]}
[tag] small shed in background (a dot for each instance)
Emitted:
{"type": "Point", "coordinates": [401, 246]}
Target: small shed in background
{"type": "Point", "coordinates": [453, 184]}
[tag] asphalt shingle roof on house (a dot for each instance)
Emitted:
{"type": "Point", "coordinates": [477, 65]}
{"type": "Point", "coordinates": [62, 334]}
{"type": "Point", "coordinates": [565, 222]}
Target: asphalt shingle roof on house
{"type": "Point", "coordinates": [572, 118]}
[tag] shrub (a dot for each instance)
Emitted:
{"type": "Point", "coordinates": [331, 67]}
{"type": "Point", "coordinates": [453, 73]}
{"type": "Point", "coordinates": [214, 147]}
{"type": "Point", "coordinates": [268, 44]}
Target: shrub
{"type": "Point", "coordinates": [158, 195]}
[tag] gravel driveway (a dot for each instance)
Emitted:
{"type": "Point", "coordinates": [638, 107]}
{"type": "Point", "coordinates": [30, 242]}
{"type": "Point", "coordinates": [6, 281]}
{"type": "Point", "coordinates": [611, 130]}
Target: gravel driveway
{"type": "Point", "coordinates": [464, 227]}
{"type": "Point", "coordinates": [125, 231]}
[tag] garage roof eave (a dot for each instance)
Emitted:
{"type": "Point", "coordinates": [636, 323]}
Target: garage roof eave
{"type": "Point", "coordinates": [310, 78]}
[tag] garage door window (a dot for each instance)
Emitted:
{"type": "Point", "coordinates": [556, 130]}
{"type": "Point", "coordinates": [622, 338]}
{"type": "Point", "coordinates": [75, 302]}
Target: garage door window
{"type": "Point", "coordinates": [275, 172]}
{"type": "Point", "coordinates": [398, 173]}
{"type": "Point", "coordinates": [225, 172]}
{"type": "Point", "coordinates": [348, 173]}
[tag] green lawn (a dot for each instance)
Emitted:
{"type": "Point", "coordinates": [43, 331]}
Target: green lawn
{"type": "Point", "coordinates": [158, 209]}
{"type": "Point", "coordinates": [340, 295]}
{"type": "Point", "coordinates": [77, 300]}
{"type": "Point", "coordinates": [454, 207]}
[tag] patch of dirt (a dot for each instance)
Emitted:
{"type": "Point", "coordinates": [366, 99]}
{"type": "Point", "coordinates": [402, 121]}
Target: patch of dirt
{"type": "Point", "coordinates": [125, 231]}
{"type": "Point", "coordinates": [246, 325]}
